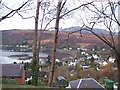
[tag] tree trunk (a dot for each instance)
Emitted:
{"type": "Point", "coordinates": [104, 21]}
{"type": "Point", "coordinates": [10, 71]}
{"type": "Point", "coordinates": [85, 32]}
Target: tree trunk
{"type": "Point", "coordinates": [119, 73]}
{"type": "Point", "coordinates": [118, 55]}
{"type": "Point", "coordinates": [118, 66]}
{"type": "Point", "coordinates": [118, 59]}
{"type": "Point", "coordinates": [55, 43]}
{"type": "Point", "coordinates": [35, 66]}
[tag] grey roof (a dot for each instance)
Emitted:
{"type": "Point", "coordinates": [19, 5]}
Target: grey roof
{"type": "Point", "coordinates": [86, 83]}
{"type": "Point", "coordinates": [74, 83]}
{"type": "Point", "coordinates": [12, 70]}
{"type": "Point", "coordinates": [60, 78]}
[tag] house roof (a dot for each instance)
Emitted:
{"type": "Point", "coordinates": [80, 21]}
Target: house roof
{"type": "Point", "coordinates": [108, 80]}
{"type": "Point", "coordinates": [86, 83]}
{"type": "Point", "coordinates": [12, 70]}
{"type": "Point", "coordinates": [60, 78]}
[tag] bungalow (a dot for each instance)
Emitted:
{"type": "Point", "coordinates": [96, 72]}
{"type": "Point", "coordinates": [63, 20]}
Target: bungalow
{"type": "Point", "coordinates": [14, 72]}
{"type": "Point", "coordinates": [88, 83]}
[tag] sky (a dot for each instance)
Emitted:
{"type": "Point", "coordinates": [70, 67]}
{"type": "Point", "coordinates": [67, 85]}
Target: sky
{"type": "Point", "coordinates": [16, 22]}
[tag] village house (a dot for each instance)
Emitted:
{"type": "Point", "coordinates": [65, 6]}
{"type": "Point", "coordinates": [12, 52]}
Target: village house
{"type": "Point", "coordinates": [14, 72]}
{"type": "Point", "coordinates": [95, 56]}
{"type": "Point", "coordinates": [101, 62]}
{"type": "Point", "coordinates": [43, 58]}
{"type": "Point", "coordinates": [85, 67]}
{"type": "Point", "coordinates": [72, 64]}
{"type": "Point", "coordinates": [88, 83]}
{"type": "Point", "coordinates": [66, 61]}
{"type": "Point", "coordinates": [111, 59]}
{"type": "Point", "coordinates": [61, 81]}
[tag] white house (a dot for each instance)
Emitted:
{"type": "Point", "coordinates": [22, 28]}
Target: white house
{"type": "Point", "coordinates": [112, 60]}
{"type": "Point", "coordinates": [104, 63]}
{"type": "Point", "coordinates": [84, 67]}
{"type": "Point", "coordinates": [83, 53]}
{"type": "Point", "coordinates": [57, 60]}
{"type": "Point", "coordinates": [95, 56]}
{"type": "Point", "coordinates": [72, 64]}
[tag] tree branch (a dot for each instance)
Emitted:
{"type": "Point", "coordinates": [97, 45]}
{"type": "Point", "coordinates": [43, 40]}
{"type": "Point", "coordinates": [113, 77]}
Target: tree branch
{"type": "Point", "coordinates": [25, 17]}
{"type": "Point", "coordinates": [75, 9]}
{"type": "Point", "coordinates": [13, 11]}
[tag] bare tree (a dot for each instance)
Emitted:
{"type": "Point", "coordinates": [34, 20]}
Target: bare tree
{"type": "Point", "coordinates": [43, 6]}
{"type": "Point", "coordinates": [106, 16]}
{"type": "Point", "coordinates": [35, 61]}
{"type": "Point", "coordinates": [59, 9]}
{"type": "Point", "coordinates": [55, 43]}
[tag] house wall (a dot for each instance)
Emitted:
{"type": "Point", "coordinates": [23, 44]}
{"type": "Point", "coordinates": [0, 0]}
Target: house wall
{"type": "Point", "coordinates": [20, 80]}
{"type": "Point", "coordinates": [19, 77]}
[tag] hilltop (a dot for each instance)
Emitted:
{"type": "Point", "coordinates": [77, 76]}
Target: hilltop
{"type": "Point", "coordinates": [18, 36]}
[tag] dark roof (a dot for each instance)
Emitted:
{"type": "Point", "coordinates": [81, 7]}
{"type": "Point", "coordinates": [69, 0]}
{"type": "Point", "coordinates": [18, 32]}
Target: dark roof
{"type": "Point", "coordinates": [12, 70]}
{"type": "Point", "coordinates": [60, 78]}
{"type": "Point", "coordinates": [86, 83]}
{"type": "Point", "coordinates": [74, 83]}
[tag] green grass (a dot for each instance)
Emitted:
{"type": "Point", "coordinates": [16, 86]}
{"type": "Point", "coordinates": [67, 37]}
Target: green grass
{"type": "Point", "coordinates": [13, 84]}
{"type": "Point", "coordinates": [19, 86]}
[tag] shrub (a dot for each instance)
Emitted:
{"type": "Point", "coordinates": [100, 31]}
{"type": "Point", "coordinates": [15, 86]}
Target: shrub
{"type": "Point", "coordinates": [29, 82]}
{"type": "Point", "coordinates": [41, 83]}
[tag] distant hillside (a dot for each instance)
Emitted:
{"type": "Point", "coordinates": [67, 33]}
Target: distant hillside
{"type": "Point", "coordinates": [16, 36]}
{"type": "Point", "coordinates": [96, 30]}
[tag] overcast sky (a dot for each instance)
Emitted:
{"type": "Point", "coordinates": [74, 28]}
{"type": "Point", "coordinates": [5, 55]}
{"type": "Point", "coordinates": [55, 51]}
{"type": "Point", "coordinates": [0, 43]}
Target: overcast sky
{"type": "Point", "coordinates": [16, 22]}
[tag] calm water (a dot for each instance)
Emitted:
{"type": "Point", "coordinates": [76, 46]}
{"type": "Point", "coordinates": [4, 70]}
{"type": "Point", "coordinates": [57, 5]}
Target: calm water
{"type": "Point", "coordinates": [4, 59]}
